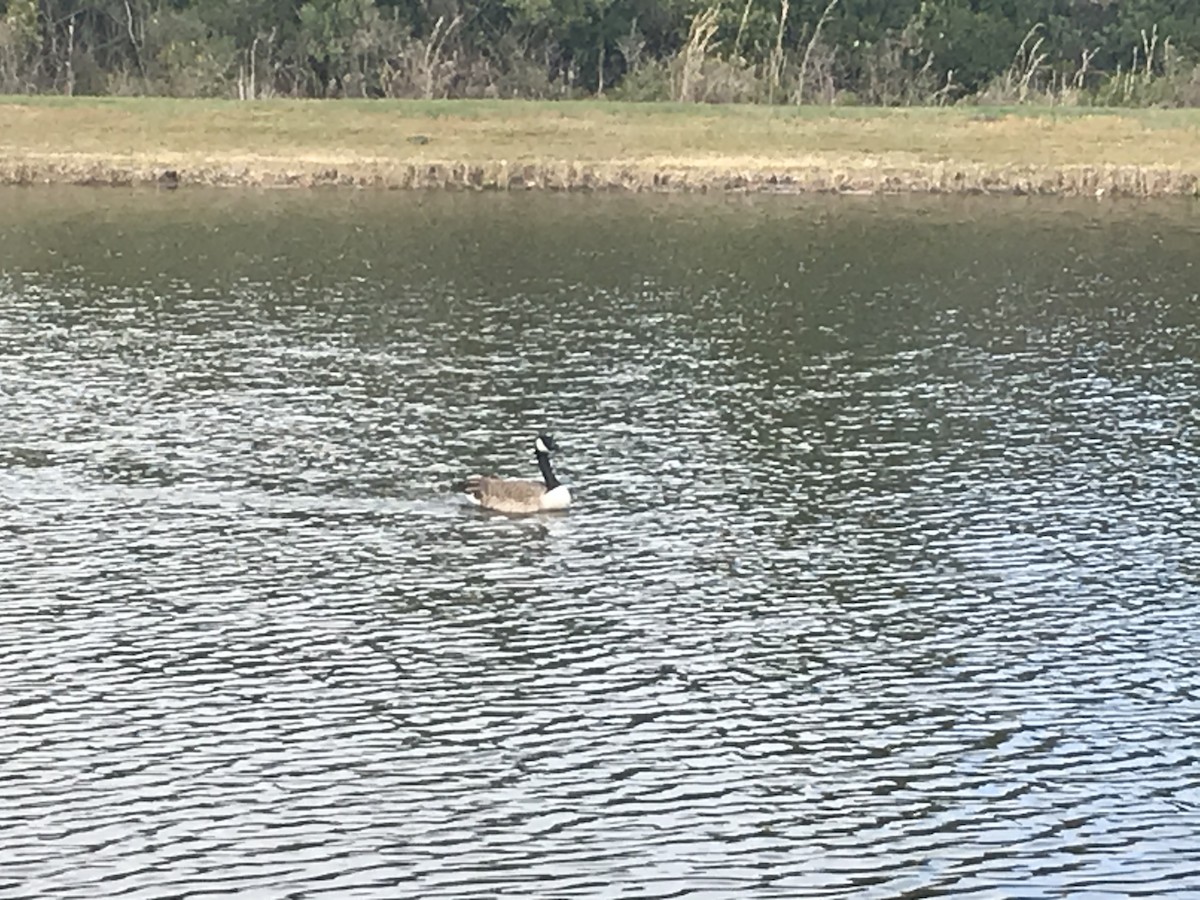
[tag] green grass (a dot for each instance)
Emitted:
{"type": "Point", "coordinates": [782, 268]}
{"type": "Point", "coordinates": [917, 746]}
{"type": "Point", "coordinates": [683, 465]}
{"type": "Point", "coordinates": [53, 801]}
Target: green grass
{"type": "Point", "coordinates": [350, 135]}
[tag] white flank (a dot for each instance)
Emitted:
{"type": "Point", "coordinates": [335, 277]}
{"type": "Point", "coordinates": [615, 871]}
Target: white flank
{"type": "Point", "coordinates": [559, 498]}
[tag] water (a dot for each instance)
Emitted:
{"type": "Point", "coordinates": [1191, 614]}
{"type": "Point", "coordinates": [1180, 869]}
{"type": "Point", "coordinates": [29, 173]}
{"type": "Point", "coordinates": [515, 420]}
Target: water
{"type": "Point", "coordinates": [882, 578]}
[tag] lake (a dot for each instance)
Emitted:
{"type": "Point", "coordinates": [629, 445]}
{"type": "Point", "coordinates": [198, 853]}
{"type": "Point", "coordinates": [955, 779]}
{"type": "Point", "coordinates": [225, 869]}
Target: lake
{"type": "Point", "coordinates": [882, 577]}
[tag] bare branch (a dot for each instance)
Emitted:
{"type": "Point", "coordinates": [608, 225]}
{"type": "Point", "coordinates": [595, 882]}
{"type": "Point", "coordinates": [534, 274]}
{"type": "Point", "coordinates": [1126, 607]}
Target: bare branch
{"type": "Point", "coordinates": [812, 42]}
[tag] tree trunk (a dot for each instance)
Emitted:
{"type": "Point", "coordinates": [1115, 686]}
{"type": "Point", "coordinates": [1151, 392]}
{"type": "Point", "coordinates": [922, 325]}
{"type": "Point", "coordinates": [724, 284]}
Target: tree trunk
{"type": "Point", "coordinates": [600, 73]}
{"type": "Point", "coordinates": [71, 56]}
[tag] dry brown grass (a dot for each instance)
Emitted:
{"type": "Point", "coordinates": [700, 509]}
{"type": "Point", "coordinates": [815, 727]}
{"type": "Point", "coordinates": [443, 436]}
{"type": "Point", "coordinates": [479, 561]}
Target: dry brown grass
{"type": "Point", "coordinates": [511, 145]}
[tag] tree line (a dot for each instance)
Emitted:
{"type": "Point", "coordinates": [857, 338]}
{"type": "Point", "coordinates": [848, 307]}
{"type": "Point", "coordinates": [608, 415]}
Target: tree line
{"type": "Point", "coordinates": [878, 52]}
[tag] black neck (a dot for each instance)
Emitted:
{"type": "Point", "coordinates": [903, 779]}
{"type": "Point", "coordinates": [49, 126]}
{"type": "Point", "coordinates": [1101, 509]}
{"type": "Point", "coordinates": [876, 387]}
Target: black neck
{"type": "Point", "coordinates": [547, 472]}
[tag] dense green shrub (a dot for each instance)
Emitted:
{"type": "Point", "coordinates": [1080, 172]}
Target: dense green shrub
{"type": "Point", "coordinates": [882, 52]}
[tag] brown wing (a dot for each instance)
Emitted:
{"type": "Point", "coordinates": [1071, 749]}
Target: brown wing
{"type": "Point", "coordinates": [505, 494]}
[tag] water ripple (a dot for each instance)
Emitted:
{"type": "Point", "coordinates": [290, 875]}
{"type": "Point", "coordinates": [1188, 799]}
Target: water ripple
{"type": "Point", "coordinates": [881, 581]}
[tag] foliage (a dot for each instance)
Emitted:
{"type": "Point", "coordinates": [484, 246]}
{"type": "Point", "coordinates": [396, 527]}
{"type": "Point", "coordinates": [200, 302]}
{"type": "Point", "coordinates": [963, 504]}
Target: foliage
{"type": "Point", "coordinates": [18, 45]}
{"type": "Point", "coordinates": [883, 52]}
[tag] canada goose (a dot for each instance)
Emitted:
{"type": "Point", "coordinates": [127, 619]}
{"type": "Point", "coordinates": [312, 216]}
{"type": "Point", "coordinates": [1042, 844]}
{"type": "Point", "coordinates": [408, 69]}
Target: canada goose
{"type": "Point", "coordinates": [513, 495]}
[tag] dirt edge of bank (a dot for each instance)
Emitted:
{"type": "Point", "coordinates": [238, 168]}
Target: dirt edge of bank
{"type": "Point", "coordinates": [852, 178]}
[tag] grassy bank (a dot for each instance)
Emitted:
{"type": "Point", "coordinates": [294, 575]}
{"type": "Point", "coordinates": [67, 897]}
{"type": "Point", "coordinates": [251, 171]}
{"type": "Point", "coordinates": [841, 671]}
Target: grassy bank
{"type": "Point", "coordinates": [598, 145]}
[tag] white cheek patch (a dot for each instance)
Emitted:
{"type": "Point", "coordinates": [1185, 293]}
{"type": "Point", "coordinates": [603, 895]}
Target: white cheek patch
{"type": "Point", "coordinates": [539, 446]}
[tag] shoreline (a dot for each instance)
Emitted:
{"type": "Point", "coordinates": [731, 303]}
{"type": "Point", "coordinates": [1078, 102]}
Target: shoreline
{"type": "Point", "coordinates": [556, 146]}
{"type": "Point", "coordinates": [863, 178]}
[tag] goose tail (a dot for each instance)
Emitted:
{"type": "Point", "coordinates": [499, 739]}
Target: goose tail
{"type": "Point", "coordinates": [471, 487]}
{"type": "Point", "coordinates": [468, 485]}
